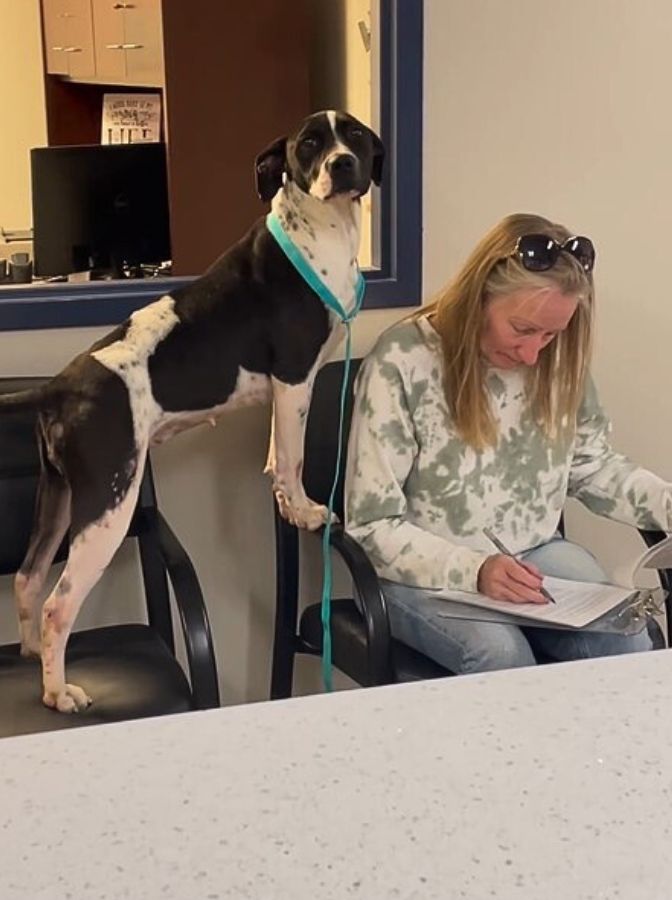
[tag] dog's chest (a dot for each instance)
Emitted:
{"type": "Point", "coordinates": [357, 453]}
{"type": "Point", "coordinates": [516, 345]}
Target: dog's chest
{"type": "Point", "coordinates": [330, 259]}
{"type": "Point", "coordinates": [328, 242]}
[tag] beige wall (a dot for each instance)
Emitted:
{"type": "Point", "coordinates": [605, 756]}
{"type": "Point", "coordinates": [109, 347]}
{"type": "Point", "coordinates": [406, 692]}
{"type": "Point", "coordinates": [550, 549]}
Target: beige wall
{"type": "Point", "coordinates": [22, 106]}
{"type": "Point", "coordinates": [564, 111]}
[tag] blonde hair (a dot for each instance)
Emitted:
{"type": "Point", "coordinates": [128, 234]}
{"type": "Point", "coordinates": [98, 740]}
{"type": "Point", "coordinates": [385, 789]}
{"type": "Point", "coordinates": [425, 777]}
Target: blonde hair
{"type": "Point", "coordinates": [556, 382]}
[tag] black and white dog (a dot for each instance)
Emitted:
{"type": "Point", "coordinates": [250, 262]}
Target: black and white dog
{"type": "Point", "coordinates": [249, 331]}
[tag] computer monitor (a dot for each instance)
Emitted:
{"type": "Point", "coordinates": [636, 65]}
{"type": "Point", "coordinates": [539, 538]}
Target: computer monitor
{"type": "Point", "coordinates": [99, 208]}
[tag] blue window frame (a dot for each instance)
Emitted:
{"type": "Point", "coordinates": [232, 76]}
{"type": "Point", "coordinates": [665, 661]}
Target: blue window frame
{"type": "Point", "coordinates": [397, 281]}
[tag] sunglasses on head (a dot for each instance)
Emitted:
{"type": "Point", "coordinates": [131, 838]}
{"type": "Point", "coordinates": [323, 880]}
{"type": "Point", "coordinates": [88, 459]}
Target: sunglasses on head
{"type": "Point", "coordinates": [539, 252]}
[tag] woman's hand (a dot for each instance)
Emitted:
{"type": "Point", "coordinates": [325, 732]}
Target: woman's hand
{"type": "Point", "coordinates": [505, 578]}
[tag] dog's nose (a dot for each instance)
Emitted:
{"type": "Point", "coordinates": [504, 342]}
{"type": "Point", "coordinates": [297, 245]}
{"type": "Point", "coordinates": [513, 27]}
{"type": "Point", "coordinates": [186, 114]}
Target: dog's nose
{"type": "Point", "coordinates": [342, 163]}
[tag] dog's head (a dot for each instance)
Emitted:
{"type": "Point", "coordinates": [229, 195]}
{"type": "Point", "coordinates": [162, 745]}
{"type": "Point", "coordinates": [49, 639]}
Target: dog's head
{"type": "Point", "coordinates": [331, 154]}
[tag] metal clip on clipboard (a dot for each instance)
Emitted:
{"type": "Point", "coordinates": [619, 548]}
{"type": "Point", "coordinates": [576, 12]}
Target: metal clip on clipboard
{"type": "Point", "coordinates": [635, 613]}
{"type": "Point", "coordinates": [628, 618]}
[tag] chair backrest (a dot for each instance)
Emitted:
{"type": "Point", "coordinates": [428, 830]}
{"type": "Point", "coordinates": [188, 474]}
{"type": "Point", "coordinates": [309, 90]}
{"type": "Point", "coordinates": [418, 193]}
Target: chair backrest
{"type": "Point", "coordinates": [322, 433]}
{"type": "Point", "coordinates": [19, 471]}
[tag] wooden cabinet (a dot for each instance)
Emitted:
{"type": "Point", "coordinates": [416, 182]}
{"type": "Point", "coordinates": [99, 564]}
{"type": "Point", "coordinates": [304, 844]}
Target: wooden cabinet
{"type": "Point", "coordinates": [104, 41]}
{"type": "Point", "coordinates": [68, 38]}
{"type": "Point", "coordinates": [128, 42]}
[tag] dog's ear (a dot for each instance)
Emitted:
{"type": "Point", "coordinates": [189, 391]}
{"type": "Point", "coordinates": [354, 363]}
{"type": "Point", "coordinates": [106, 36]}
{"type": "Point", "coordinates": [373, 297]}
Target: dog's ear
{"type": "Point", "coordinates": [268, 169]}
{"type": "Point", "coordinates": [378, 159]}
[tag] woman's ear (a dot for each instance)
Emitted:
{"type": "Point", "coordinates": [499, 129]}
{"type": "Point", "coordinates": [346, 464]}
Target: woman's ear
{"type": "Point", "coordinates": [269, 167]}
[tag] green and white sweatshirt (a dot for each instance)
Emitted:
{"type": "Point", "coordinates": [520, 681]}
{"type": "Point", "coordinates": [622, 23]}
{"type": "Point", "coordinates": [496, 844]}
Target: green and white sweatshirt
{"type": "Point", "coordinates": [418, 497]}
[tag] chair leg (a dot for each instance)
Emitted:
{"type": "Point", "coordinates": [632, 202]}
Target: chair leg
{"type": "Point", "coordinates": [282, 673]}
{"type": "Point", "coordinates": [287, 598]}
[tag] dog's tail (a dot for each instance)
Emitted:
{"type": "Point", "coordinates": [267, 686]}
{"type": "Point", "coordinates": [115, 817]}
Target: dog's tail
{"type": "Point", "coordinates": [24, 401]}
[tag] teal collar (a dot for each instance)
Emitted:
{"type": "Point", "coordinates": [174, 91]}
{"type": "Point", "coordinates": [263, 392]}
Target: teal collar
{"type": "Point", "coordinates": [309, 274]}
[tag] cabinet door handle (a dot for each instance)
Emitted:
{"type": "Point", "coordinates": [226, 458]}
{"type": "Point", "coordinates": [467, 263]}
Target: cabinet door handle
{"type": "Point", "coordinates": [123, 6]}
{"type": "Point", "coordinates": [72, 49]}
{"type": "Point", "coordinates": [114, 46]}
{"type": "Point", "coordinates": [132, 46]}
{"type": "Point", "coordinates": [57, 49]}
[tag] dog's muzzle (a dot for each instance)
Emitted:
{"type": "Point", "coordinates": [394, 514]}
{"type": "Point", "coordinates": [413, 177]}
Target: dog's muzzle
{"type": "Point", "coordinates": [344, 170]}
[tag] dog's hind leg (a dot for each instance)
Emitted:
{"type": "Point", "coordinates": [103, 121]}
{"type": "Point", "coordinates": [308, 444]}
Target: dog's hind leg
{"type": "Point", "coordinates": [52, 518]}
{"type": "Point", "coordinates": [91, 549]}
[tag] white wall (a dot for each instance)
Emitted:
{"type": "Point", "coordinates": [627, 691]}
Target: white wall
{"type": "Point", "coordinates": [21, 105]}
{"type": "Point", "coordinates": [564, 110]}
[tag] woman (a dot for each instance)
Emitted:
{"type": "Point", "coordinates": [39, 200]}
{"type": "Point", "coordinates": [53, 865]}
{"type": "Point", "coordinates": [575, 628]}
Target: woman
{"type": "Point", "coordinates": [478, 412]}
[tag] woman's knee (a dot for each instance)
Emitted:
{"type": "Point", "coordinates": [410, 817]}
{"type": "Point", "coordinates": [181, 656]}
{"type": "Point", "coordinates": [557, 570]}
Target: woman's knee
{"type": "Point", "coordinates": [565, 559]}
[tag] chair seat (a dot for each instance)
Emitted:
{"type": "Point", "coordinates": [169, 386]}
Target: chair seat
{"type": "Point", "coordinates": [127, 669]}
{"type": "Point", "coordinates": [349, 646]}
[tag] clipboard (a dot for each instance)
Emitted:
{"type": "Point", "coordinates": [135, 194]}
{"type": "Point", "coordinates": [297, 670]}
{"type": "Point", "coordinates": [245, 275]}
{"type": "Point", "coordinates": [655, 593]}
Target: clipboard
{"type": "Point", "coordinates": [579, 606]}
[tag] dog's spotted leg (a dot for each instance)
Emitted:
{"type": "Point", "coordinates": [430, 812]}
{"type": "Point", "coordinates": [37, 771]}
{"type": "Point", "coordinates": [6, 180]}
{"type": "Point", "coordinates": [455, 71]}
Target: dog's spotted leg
{"type": "Point", "coordinates": [30, 579]}
{"type": "Point", "coordinates": [90, 552]}
{"type": "Point", "coordinates": [52, 518]}
{"type": "Point", "coordinates": [285, 457]}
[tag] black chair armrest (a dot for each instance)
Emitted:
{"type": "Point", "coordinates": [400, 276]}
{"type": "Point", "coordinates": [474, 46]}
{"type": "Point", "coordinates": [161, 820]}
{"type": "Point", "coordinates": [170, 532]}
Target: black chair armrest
{"type": "Point", "coordinates": [372, 601]}
{"type": "Point", "coordinates": [651, 538]}
{"type": "Point", "coordinates": [193, 616]}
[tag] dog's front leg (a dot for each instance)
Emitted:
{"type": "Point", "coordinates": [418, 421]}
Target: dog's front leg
{"type": "Point", "coordinates": [285, 456]}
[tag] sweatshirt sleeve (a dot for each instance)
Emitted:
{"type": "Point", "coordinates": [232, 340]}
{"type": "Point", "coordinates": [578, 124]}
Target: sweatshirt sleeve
{"type": "Point", "coordinates": [607, 482]}
{"type": "Point", "coordinates": [382, 450]}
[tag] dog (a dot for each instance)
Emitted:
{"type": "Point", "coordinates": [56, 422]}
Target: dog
{"type": "Point", "coordinates": [248, 331]}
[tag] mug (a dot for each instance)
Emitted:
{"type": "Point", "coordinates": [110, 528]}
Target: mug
{"type": "Point", "coordinates": [20, 268]}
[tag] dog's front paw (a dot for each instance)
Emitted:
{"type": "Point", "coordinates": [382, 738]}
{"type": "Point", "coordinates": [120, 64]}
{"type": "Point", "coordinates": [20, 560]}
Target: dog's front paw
{"type": "Point", "coordinates": [72, 699]}
{"type": "Point", "coordinates": [308, 515]}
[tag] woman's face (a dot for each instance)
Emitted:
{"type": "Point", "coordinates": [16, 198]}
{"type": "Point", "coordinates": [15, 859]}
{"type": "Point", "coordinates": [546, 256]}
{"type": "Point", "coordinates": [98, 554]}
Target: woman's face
{"type": "Point", "coordinates": [518, 326]}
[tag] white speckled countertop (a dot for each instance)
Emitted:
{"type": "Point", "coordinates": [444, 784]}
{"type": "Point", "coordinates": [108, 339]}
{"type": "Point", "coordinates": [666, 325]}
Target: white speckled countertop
{"type": "Point", "coordinates": [537, 784]}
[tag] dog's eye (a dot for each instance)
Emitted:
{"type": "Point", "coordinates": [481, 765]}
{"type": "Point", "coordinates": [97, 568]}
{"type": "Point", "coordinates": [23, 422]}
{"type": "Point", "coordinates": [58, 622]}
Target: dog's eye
{"type": "Point", "coordinates": [355, 131]}
{"type": "Point", "coordinates": [309, 141]}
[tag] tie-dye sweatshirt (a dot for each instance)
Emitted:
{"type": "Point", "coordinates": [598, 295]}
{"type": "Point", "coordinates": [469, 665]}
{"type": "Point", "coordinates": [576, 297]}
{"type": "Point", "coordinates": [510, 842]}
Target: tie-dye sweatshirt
{"type": "Point", "coordinates": [418, 497]}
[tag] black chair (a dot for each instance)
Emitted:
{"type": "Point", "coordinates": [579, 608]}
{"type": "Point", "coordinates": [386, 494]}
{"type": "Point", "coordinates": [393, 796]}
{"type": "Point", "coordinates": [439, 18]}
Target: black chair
{"type": "Point", "coordinates": [130, 670]}
{"type": "Point", "coordinates": [362, 646]}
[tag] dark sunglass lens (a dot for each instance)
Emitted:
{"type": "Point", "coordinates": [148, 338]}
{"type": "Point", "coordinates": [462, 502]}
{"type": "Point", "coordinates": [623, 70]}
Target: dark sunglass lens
{"type": "Point", "coordinates": [537, 252]}
{"type": "Point", "coordinates": [582, 249]}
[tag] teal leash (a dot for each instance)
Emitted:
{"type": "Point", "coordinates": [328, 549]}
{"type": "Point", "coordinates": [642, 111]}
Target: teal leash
{"type": "Point", "coordinates": [330, 300]}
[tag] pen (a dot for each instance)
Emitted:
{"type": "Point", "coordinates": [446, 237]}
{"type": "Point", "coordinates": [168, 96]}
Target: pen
{"type": "Point", "coordinates": [491, 536]}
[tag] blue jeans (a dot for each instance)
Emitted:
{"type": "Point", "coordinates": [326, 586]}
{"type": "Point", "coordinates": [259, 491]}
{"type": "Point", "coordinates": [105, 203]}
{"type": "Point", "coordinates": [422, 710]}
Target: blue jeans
{"type": "Point", "coordinates": [463, 645]}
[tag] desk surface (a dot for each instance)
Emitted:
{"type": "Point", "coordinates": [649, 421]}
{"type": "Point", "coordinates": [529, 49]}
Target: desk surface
{"type": "Point", "coordinates": [537, 784]}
